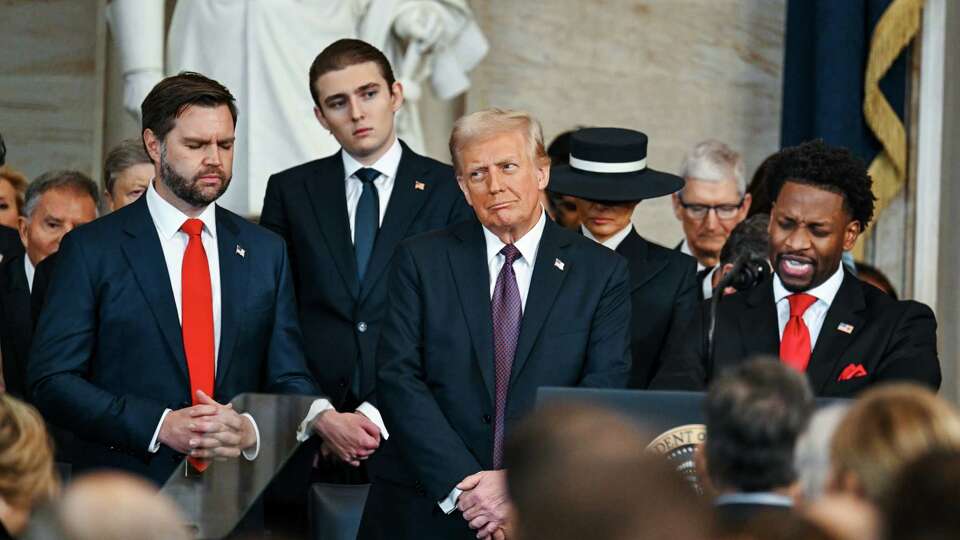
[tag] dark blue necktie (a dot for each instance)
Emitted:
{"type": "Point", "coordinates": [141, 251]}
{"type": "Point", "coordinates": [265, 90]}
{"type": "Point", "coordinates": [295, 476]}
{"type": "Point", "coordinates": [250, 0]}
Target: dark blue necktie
{"type": "Point", "coordinates": [367, 220]}
{"type": "Point", "coordinates": [507, 310]}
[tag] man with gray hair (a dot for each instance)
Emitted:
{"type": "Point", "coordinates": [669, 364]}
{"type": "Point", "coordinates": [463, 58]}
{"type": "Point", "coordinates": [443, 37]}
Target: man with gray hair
{"type": "Point", "coordinates": [711, 203]}
{"type": "Point", "coordinates": [481, 315]}
{"type": "Point", "coordinates": [54, 204]}
{"type": "Point", "coordinates": [127, 172]}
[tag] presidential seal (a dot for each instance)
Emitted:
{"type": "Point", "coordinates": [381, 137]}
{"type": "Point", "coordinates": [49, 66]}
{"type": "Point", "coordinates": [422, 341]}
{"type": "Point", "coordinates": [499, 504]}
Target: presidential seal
{"type": "Point", "coordinates": [678, 446]}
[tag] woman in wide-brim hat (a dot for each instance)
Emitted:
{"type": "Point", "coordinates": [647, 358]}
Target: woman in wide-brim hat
{"type": "Point", "coordinates": [608, 175]}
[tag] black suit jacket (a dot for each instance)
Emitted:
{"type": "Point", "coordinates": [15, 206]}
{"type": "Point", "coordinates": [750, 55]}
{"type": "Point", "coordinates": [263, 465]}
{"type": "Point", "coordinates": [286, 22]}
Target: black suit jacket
{"type": "Point", "coordinates": [663, 296]}
{"type": "Point", "coordinates": [436, 362]}
{"type": "Point", "coordinates": [10, 245]}
{"type": "Point", "coordinates": [341, 318]}
{"type": "Point", "coordinates": [108, 356]}
{"type": "Point", "coordinates": [734, 519]}
{"type": "Point", "coordinates": [892, 340]}
{"type": "Point", "coordinates": [16, 324]}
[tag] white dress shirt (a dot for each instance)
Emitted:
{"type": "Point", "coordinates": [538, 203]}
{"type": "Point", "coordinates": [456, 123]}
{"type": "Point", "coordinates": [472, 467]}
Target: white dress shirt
{"type": "Point", "coordinates": [815, 314]}
{"type": "Point", "coordinates": [614, 241]}
{"type": "Point", "coordinates": [168, 219]}
{"type": "Point", "coordinates": [30, 270]}
{"type": "Point", "coordinates": [387, 166]}
{"type": "Point", "coordinates": [706, 286]}
{"type": "Point", "coordinates": [528, 245]}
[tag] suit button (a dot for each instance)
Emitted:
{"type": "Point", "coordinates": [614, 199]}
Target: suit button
{"type": "Point", "coordinates": [342, 383]}
{"type": "Point", "coordinates": [487, 419]}
{"type": "Point", "coordinates": [361, 327]}
{"type": "Point", "coordinates": [418, 487]}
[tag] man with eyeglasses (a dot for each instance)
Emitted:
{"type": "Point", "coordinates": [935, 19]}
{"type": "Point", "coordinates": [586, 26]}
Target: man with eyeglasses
{"type": "Point", "coordinates": [712, 202]}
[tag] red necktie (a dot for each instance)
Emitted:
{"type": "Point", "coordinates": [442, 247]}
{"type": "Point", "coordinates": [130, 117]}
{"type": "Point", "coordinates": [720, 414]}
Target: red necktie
{"type": "Point", "coordinates": [197, 317]}
{"type": "Point", "coordinates": [795, 343]}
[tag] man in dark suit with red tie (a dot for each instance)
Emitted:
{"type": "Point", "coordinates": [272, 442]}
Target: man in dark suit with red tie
{"type": "Point", "coordinates": [163, 311]}
{"type": "Point", "coordinates": [821, 320]}
{"type": "Point", "coordinates": [480, 315]}
{"type": "Point", "coordinates": [342, 217]}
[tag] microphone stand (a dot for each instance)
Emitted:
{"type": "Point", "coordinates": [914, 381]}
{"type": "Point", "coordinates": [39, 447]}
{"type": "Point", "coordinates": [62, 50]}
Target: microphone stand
{"type": "Point", "coordinates": [746, 273]}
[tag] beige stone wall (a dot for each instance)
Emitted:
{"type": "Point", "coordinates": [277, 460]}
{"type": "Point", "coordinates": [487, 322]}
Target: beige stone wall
{"type": "Point", "coordinates": [679, 70]}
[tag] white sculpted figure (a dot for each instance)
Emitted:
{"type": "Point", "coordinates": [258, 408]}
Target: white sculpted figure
{"type": "Point", "coordinates": [262, 51]}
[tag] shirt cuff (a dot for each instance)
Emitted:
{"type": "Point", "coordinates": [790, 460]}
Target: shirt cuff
{"type": "Point", "coordinates": [371, 412]}
{"type": "Point", "coordinates": [449, 504]}
{"type": "Point", "coordinates": [248, 453]}
{"type": "Point", "coordinates": [154, 442]}
{"type": "Point", "coordinates": [317, 407]}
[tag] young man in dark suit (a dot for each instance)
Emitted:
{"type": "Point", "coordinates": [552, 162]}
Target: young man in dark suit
{"type": "Point", "coordinates": [607, 176]}
{"type": "Point", "coordinates": [342, 217]}
{"type": "Point", "coordinates": [812, 313]}
{"type": "Point", "coordinates": [480, 315]}
{"type": "Point", "coordinates": [164, 310]}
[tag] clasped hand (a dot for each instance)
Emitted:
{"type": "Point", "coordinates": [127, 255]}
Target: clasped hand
{"type": "Point", "coordinates": [485, 503]}
{"type": "Point", "coordinates": [351, 436]}
{"type": "Point", "coordinates": [207, 430]}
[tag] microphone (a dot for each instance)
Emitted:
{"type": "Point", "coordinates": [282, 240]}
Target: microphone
{"type": "Point", "coordinates": [747, 272]}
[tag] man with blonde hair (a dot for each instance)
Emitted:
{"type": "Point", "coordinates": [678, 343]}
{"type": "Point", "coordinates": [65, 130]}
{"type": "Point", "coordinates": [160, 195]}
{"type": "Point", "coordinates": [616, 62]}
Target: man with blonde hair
{"type": "Point", "coordinates": [482, 314]}
{"type": "Point", "coordinates": [713, 201]}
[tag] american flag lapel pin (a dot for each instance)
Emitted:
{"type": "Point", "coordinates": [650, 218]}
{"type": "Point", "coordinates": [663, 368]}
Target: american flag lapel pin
{"type": "Point", "coordinates": [419, 186]}
{"type": "Point", "coordinates": [559, 264]}
{"type": "Point", "coordinates": [845, 328]}
{"type": "Point", "coordinates": [241, 252]}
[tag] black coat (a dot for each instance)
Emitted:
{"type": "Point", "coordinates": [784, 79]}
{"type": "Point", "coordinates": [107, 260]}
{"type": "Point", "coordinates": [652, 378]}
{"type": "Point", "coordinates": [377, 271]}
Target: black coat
{"type": "Point", "coordinates": [891, 340]}
{"type": "Point", "coordinates": [436, 363]}
{"type": "Point", "coordinates": [16, 324]}
{"type": "Point", "coordinates": [663, 296]}
{"type": "Point", "coordinates": [10, 245]}
{"type": "Point", "coordinates": [340, 317]}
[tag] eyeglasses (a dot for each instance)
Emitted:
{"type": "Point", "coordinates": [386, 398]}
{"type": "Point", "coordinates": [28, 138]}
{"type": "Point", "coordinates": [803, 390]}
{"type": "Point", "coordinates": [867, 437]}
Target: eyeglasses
{"type": "Point", "coordinates": [700, 211]}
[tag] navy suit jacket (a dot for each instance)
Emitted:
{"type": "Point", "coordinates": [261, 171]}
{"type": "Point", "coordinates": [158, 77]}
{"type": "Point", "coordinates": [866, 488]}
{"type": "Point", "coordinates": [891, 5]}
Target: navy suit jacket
{"type": "Point", "coordinates": [663, 294]}
{"type": "Point", "coordinates": [108, 356]}
{"type": "Point", "coordinates": [341, 317]}
{"type": "Point", "coordinates": [436, 361]}
{"type": "Point", "coordinates": [890, 340]}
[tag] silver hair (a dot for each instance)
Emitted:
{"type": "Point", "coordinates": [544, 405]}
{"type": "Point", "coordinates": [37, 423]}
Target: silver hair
{"type": "Point", "coordinates": [58, 180]}
{"type": "Point", "coordinates": [714, 161]}
{"type": "Point", "coordinates": [811, 457]}
{"type": "Point", "coordinates": [121, 157]}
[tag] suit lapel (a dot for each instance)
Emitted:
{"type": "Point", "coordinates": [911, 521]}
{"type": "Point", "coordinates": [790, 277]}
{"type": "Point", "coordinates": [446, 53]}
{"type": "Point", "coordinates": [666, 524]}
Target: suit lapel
{"type": "Point", "coordinates": [759, 327]}
{"type": "Point", "coordinates": [234, 278]}
{"type": "Point", "coordinates": [410, 191]}
{"type": "Point", "coordinates": [544, 286]}
{"type": "Point", "coordinates": [142, 249]}
{"type": "Point", "coordinates": [328, 195]}
{"type": "Point", "coordinates": [468, 261]}
{"type": "Point", "coordinates": [637, 250]}
{"type": "Point", "coordinates": [832, 342]}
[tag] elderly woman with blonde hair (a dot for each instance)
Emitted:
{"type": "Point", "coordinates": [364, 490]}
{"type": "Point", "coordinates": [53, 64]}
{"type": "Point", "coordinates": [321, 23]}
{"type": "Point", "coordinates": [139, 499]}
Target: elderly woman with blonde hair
{"type": "Point", "coordinates": [12, 187]}
{"type": "Point", "coordinates": [27, 475]}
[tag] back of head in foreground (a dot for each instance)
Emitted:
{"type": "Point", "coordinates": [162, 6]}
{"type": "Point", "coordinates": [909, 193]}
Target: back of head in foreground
{"type": "Point", "coordinates": [27, 475]}
{"type": "Point", "coordinates": [922, 502]}
{"type": "Point", "coordinates": [755, 412]}
{"type": "Point", "coordinates": [887, 427]}
{"type": "Point", "coordinates": [578, 472]}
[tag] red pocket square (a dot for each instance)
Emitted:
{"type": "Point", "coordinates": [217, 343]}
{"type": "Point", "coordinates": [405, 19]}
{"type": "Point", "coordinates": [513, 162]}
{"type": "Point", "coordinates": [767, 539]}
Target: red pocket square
{"type": "Point", "coordinates": [852, 371]}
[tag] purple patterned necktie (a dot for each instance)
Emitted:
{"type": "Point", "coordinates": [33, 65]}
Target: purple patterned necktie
{"type": "Point", "coordinates": [506, 309]}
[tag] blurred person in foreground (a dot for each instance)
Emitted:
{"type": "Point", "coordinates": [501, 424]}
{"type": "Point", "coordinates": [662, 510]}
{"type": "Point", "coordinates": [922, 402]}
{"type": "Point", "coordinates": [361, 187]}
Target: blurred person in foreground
{"type": "Point", "coordinates": [127, 172]}
{"type": "Point", "coordinates": [921, 504]}
{"type": "Point", "coordinates": [607, 179]}
{"type": "Point", "coordinates": [110, 506]}
{"type": "Point", "coordinates": [580, 472]}
{"type": "Point", "coordinates": [811, 457]}
{"type": "Point", "coordinates": [481, 315]}
{"type": "Point", "coordinates": [27, 475]}
{"type": "Point", "coordinates": [817, 317]}
{"type": "Point", "coordinates": [713, 200]}
{"type": "Point", "coordinates": [754, 414]}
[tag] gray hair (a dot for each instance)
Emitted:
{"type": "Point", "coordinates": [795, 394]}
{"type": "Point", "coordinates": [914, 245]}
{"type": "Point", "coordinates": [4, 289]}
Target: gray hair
{"type": "Point", "coordinates": [59, 180]}
{"type": "Point", "coordinates": [811, 457]}
{"type": "Point", "coordinates": [714, 161]}
{"type": "Point", "coordinates": [489, 122]}
{"type": "Point", "coordinates": [126, 154]}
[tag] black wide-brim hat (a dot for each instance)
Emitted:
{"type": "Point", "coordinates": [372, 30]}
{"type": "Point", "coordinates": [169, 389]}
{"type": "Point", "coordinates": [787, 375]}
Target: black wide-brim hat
{"type": "Point", "coordinates": [610, 164]}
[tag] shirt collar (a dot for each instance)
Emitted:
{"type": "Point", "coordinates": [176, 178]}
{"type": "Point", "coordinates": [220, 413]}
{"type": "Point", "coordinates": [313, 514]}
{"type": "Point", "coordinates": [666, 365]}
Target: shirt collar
{"type": "Point", "coordinates": [614, 241]}
{"type": "Point", "coordinates": [824, 292]}
{"type": "Point", "coordinates": [765, 498]}
{"type": "Point", "coordinates": [168, 218]}
{"type": "Point", "coordinates": [685, 249]}
{"type": "Point", "coordinates": [29, 270]}
{"type": "Point", "coordinates": [528, 244]}
{"type": "Point", "coordinates": [387, 165]}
